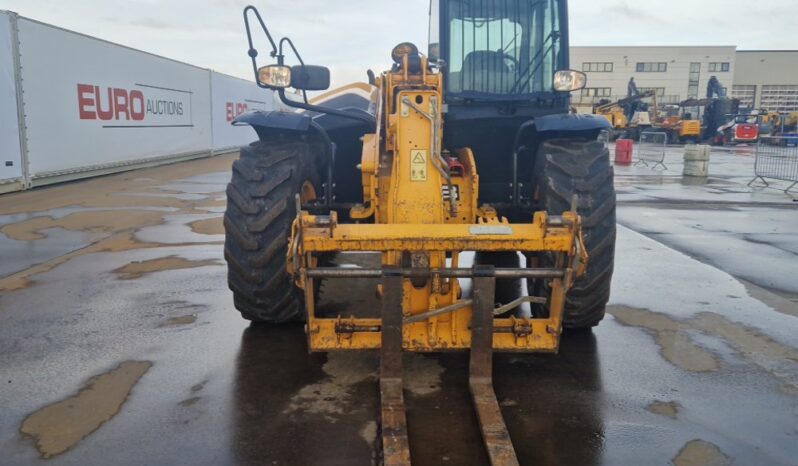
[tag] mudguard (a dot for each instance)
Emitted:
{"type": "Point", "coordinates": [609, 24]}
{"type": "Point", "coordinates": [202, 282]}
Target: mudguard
{"type": "Point", "coordinates": [571, 122]}
{"type": "Point", "coordinates": [262, 121]}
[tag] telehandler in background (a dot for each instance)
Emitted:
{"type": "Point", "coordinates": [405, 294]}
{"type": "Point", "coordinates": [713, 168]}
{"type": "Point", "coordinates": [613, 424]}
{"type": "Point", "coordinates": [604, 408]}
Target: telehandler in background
{"type": "Point", "coordinates": [468, 148]}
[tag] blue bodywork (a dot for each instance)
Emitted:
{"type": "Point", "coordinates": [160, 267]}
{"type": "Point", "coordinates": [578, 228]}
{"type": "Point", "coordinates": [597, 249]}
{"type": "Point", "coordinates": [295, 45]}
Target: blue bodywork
{"type": "Point", "coordinates": [571, 122]}
{"type": "Point", "coordinates": [274, 119]}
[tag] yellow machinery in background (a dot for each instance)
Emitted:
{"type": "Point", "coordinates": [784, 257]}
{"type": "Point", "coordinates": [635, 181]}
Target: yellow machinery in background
{"type": "Point", "coordinates": [615, 114]}
{"type": "Point", "coordinates": [480, 155]}
{"type": "Point", "coordinates": [623, 115]}
{"type": "Point", "coordinates": [780, 122]}
{"type": "Point", "coordinates": [679, 125]}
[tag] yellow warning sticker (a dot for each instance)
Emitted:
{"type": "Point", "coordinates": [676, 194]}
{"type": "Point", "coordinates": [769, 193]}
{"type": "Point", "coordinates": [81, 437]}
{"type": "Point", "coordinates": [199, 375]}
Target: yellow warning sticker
{"type": "Point", "coordinates": [418, 165]}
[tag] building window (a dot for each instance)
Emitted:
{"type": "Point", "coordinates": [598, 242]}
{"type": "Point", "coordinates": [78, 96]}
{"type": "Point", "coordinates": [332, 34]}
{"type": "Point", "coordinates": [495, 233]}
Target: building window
{"type": "Point", "coordinates": [719, 67]}
{"type": "Point", "coordinates": [601, 67]}
{"type": "Point", "coordinates": [779, 98]}
{"type": "Point", "coordinates": [693, 78]}
{"type": "Point", "coordinates": [597, 92]}
{"type": "Point", "coordinates": [660, 91]}
{"type": "Point", "coordinates": [746, 93]}
{"type": "Point", "coordinates": [659, 67]}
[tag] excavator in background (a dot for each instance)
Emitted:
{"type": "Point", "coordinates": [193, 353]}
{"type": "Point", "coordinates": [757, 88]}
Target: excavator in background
{"type": "Point", "coordinates": [723, 121]}
{"type": "Point", "coordinates": [628, 116]}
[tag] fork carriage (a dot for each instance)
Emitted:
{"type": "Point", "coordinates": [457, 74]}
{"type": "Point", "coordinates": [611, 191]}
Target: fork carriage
{"type": "Point", "coordinates": [446, 323]}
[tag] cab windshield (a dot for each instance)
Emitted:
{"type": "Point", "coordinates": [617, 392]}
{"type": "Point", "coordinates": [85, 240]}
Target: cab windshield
{"type": "Point", "coordinates": [496, 48]}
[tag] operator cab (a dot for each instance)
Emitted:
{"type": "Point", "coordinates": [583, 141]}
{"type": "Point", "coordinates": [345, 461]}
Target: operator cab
{"type": "Point", "coordinates": [499, 50]}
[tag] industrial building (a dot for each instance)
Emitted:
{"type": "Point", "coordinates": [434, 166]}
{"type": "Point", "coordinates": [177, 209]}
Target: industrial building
{"type": "Point", "coordinates": [760, 79]}
{"type": "Point", "coordinates": [767, 79]}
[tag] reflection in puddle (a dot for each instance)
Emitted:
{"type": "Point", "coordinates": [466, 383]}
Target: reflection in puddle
{"type": "Point", "coordinates": [663, 408]}
{"type": "Point", "coordinates": [700, 453]}
{"type": "Point", "coordinates": [208, 226]}
{"type": "Point", "coordinates": [675, 345]}
{"type": "Point", "coordinates": [59, 426]}
{"type": "Point", "coordinates": [138, 269]}
{"type": "Point", "coordinates": [181, 320]}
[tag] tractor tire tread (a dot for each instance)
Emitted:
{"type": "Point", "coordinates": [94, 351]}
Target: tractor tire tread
{"type": "Point", "coordinates": [582, 168]}
{"type": "Point", "coordinates": [257, 222]}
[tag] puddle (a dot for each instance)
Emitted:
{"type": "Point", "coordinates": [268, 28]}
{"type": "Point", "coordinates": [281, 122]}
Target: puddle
{"type": "Point", "coordinates": [745, 340]}
{"type": "Point", "coordinates": [775, 301]}
{"type": "Point", "coordinates": [106, 221]}
{"type": "Point", "coordinates": [209, 226]}
{"type": "Point", "coordinates": [115, 243]}
{"type": "Point", "coordinates": [190, 401]}
{"type": "Point", "coordinates": [778, 360]}
{"type": "Point", "coordinates": [197, 387]}
{"type": "Point", "coordinates": [59, 426]}
{"type": "Point", "coordinates": [369, 432]}
{"type": "Point", "coordinates": [700, 453]}
{"type": "Point", "coordinates": [422, 374]}
{"type": "Point", "coordinates": [330, 396]}
{"type": "Point", "coordinates": [665, 408]}
{"type": "Point", "coordinates": [21, 255]}
{"type": "Point", "coordinates": [97, 192]}
{"type": "Point", "coordinates": [181, 320]}
{"type": "Point", "coordinates": [135, 270]}
{"type": "Point", "coordinates": [675, 345]}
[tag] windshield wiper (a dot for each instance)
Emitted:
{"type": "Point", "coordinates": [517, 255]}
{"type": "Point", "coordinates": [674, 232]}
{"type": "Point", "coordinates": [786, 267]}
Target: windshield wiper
{"type": "Point", "coordinates": [554, 36]}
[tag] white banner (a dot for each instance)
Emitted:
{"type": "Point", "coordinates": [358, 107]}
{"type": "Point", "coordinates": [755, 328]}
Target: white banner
{"type": "Point", "coordinates": [90, 104]}
{"type": "Point", "coordinates": [10, 156]}
{"type": "Point", "coordinates": [232, 97]}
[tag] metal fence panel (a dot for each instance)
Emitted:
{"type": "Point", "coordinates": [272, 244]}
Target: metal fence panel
{"type": "Point", "coordinates": [776, 159]}
{"type": "Point", "coordinates": [651, 149]}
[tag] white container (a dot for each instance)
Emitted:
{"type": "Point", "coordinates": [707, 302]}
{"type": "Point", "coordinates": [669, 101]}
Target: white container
{"type": "Point", "coordinates": [11, 161]}
{"type": "Point", "coordinates": [696, 160]}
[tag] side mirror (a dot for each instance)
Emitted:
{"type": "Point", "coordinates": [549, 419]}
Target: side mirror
{"type": "Point", "coordinates": [310, 77]}
{"type": "Point", "coordinates": [569, 80]}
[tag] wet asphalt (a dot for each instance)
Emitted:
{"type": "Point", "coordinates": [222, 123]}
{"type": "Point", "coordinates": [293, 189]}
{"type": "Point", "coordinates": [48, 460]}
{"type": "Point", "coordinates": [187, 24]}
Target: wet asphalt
{"type": "Point", "coordinates": [119, 343]}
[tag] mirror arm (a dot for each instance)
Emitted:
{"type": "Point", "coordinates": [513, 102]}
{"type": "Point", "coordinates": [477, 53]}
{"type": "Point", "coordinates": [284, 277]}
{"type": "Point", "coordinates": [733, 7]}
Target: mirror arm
{"type": "Point", "coordinates": [277, 52]}
{"type": "Point", "coordinates": [253, 52]}
{"type": "Point", "coordinates": [286, 40]}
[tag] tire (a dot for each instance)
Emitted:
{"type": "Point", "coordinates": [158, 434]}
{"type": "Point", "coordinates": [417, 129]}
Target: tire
{"type": "Point", "coordinates": [568, 167]}
{"type": "Point", "coordinates": [260, 209]}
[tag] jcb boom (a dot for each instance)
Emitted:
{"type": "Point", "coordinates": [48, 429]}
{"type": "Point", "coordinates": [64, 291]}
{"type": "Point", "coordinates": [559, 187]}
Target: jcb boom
{"type": "Point", "coordinates": [492, 93]}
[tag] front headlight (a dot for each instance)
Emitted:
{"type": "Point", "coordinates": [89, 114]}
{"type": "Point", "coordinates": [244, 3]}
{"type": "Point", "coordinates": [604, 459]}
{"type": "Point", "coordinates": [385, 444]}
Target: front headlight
{"type": "Point", "coordinates": [275, 76]}
{"type": "Point", "coordinates": [569, 80]}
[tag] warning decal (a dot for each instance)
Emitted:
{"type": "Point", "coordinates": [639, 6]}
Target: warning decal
{"type": "Point", "coordinates": [418, 165]}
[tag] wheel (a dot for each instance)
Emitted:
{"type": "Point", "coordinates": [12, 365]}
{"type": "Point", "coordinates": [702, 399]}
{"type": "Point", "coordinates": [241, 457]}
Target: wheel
{"type": "Point", "coordinates": [507, 289]}
{"type": "Point", "coordinates": [564, 168]}
{"type": "Point", "coordinates": [261, 207]}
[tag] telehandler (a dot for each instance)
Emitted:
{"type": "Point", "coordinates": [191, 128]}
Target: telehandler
{"type": "Point", "coordinates": [468, 148]}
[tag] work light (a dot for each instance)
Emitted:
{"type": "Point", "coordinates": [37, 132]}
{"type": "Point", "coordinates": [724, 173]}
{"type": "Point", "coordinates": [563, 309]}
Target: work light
{"type": "Point", "coordinates": [569, 80]}
{"type": "Point", "coordinates": [275, 76]}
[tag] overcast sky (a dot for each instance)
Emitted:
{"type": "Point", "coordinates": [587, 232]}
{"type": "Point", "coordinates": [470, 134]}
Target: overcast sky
{"type": "Point", "coordinates": [350, 36]}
